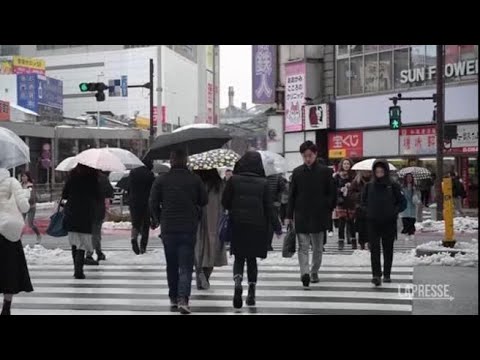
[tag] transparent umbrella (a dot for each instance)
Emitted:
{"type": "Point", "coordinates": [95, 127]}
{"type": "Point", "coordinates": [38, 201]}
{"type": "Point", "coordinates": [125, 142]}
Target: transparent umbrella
{"type": "Point", "coordinates": [13, 151]}
{"type": "Point", "coordinates": [273, 163]}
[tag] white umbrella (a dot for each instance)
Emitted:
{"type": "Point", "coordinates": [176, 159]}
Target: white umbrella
{"type": "Point", "coordinates": [368, 165]}
{"type": "Point", "coordinates": [13, 151]}
{"type": "Point", "coordinates": [126, 157]}
{"type": "Point", "coordinates": [195, 126]}
{"type": "Point", "coordinates": [67, 164]}
{"type": "Point", "coordinates": [100, 159]}
{"type": "Point", "coordinates": [273, 163]}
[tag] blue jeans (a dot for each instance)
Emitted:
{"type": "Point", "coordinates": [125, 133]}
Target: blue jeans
{"type": "Point", "coordinates": [179, 253]}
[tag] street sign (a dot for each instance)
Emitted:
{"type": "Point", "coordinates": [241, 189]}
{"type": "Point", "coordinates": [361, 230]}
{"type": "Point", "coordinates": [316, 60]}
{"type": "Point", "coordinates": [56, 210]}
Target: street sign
{"type": "Point", "coordinates": [124, 85]}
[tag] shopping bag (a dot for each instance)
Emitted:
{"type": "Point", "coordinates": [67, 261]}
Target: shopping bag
{"type": "Point", "coordinates": [225, 229]}
{"type": "Point", "coordinates": [56, 228]}
{"type": "Point", "coordinates": [289, 243]}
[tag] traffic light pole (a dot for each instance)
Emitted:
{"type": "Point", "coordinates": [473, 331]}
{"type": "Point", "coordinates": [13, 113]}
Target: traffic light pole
{"type": "Point", "coordinates": [440, 134]}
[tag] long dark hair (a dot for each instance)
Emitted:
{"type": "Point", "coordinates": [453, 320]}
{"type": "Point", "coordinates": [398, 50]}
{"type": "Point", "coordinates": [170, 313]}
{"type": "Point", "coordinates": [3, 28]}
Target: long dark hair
{"type": "Point", "coordinates": [28, 175]}
{"type": "Point", "coordinates": [211, 179]}
{"type": "Point", "coordinates": [404, 182]}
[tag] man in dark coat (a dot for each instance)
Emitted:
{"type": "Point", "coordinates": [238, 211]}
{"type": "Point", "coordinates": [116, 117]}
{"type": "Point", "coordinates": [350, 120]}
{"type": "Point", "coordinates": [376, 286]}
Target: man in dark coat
{"type": "Point", "coordinates": [249, 202]}
{"type": "Point", "coordinates": [311, 200]}
{"type": "Point", "coordinates": [175, 202]}
{"type": "Point", "coordinates": [276, 186]}
{"type": "Point", "coordinates": [140, 182]}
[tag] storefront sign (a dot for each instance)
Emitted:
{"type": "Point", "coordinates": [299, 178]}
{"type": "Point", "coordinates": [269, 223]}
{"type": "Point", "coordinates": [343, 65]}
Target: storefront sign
{"type": "Point", "coordinates": [24, 65]}
{"type": "Point", "coordinates": [316, 117]}
{"type": "Point", "coordinates": [294, 95]}
{"type": "Point", "coordinates": [466, 141]}
{"type": "Point", "coordinates": [264, 74]}
{"type": "Point", "coordinates": [209, 98]}
{"type": "Point", "coordinates": [461, 68]}
{"type": "Point", "coordinates": [4, 110]}
{"type": "Point", "coordinates": [345, 144]}
{"type": "Point", "coordinates": [418, 140]}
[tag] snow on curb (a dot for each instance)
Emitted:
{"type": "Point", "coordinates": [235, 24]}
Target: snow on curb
{"type": "Point", "coordinates": [122, 225]}
{"type": "Point", "coordinates": [46, 205]}
{"type": "Point", "coordinates": [460, 224]}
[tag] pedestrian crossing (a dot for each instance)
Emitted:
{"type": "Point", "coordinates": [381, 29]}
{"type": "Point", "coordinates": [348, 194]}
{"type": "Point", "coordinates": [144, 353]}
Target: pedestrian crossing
{"type": "Point", "coordinates": [143, 290]}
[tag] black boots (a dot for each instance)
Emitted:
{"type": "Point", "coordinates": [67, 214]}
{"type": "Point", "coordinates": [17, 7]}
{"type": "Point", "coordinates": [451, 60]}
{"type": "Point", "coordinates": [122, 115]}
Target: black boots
{"type": "Point", "coordinates": [135, 247]}
{"type": "Point", "coordinates": [377, 281]}
{"type": "Point", "coordinates": [78, 264]}
{"type": "Point", "coordinates": [6, 307]}
{"type": "Point", "coordinates": [74, 251]}
{"type": "Point", "coordinates": [237, 297]}
{"type": "Point", "coordinates": [306, 280]}
{"type": "Point", "coordinates": [251, 295]}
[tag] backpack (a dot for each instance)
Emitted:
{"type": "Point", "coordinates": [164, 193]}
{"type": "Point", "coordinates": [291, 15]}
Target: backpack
{"type": "Point", "coordinates": [396, 194]}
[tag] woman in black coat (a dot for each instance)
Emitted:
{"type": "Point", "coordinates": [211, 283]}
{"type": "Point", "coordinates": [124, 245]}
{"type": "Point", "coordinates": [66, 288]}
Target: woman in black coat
{"type": "Point", "coordinates": [82, 192]}
{"type": "Point", "coordinates": [249, 203]}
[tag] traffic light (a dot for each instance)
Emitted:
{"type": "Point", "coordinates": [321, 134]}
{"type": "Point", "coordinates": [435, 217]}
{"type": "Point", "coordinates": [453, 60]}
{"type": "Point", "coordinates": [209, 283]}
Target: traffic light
{"type": "Point", "coordinates": [98, 87]}
{"type": "Point", "coordinates": [395, 114]}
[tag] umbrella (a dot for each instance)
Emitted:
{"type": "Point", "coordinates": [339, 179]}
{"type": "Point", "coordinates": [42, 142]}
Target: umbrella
{"type": "Point", "coordinates": [193, 140]}
{"type": "Point", "coordinates": [67, 164]}
{"type": "Point", "coordinates": [368, 165]}
{"type": "Point", "coordinates": [13, 151]}
{"type": "Point", "coordinates": [126, 157]}
{"type": "Point", "coordinates": [100, 159]}
{"type": "Point", "coordinates": [213, 159]}
{"type": "Point", "coordinates": [160, 168]}
{"type": "Point", "coordinates": [273, 163]}
{"type": "Point", "coordinates": [195, 126]}
{"type": "Point", "coordinates": [418, 173]}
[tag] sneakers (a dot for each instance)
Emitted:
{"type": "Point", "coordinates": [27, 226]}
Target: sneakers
{"type": "Point", "coordinates": [306, 280]}
{"type": "Point", "coordinates": [101, 256]}
{"type": "Point", "coordinates": [251, 295]}
{"type": "Point", "coordinates": [377, 281]}
{"type": "Point", "coordinates": [386, 279]}
{"type": "Point", "coordinates": [173, 305]}
{"type": "Point", "coordinates": [135, 247]}
{"type": "Point", "coordinates": [237, 295]}
{"type": "Point", "coordinates": [89, 260]}
{"type": "Point", "coordinates": [315, 279]}
{"type": "Point", "coordinates": [183, 306]}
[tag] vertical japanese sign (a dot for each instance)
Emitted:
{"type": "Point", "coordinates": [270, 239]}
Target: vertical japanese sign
{"type": "Point", "coordinates": [209, 57]}
{"type": "Point", "coordinates": [345, 144]}
{"type": "Point", "coordinates": [210, 94]}
{"type": "Point", "coordinates": [294, 95]}
{"type": "Point", "coordinates": [418, 140]}
{"type": "Point", "coordinates": [27, 91]}
{"type": "Point", "coordinates": [4, 110]}
{"type": "Point", "coordinates": [264, 73]}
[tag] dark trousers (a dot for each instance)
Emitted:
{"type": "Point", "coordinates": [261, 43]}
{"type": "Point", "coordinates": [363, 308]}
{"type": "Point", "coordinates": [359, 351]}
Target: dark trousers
{"type": "Point", "coordinates": [96, 237]}
{"type": "Point", "coordinates": [383, 232]}
{"type": "Point", "coordinates": [425, 194]}
{"type": "Point", "coordinates": [346, 225]}
{"type": "Point", "coordinates": [361, 227]}
{"type": "Point", "coordinates": [275, 212]}
{"type": "Point", "coordinates": [252, 270]}
{"type": "Point", "coordinates": [408, 225]}
{"type": "Point", "coordinates": [179, 253]}
{"type": "Point", "coordinates": [283, 213]}
{"type": "Point", "coordinates": [140, 226]}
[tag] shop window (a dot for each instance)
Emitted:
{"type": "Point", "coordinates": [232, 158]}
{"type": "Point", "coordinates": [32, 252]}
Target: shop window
{"type": "Point", "coordinates": [343, 77]}
{"type": "Point", "coordinates": [342, 50]}
{"type": "Point", "coordinates": [356, 49]}
{"type": "Point", "coordinates": [356, 75]}
{"type": "Point", "coordinates": [371, 73]}
{"type": "Point", "coordinates": [385, 71]}
{"type": "Point", "coordinates": [417, 65]}
{"type": "Point", "coordinates": [400, 64]}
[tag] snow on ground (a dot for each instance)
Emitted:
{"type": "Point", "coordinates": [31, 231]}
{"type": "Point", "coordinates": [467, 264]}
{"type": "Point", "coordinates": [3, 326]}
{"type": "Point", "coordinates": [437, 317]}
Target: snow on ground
{"type": "Point", "coordinates": [46, 205]}
{"type": "Point", "coordinates": [122, 225]}
{"type": "Point", "coordinates": [460, 224]}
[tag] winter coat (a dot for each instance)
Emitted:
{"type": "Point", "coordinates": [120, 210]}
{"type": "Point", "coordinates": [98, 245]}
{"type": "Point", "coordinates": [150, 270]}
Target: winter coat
{"type": "Point", "coordinates": [312, 198]}
{"type": "Point", "coordinates": [33, 194]}
{"type": "Point", "coordinates": [356, 191]}
{"type": "Point", "coordinates": [176, 199]}
{"type": "Point", "coordinates": [140, 181]}
{"type": "Point", "coordinates": [11, 187]}
{"type": "Point", "coordinates": [83, 194]}
{"type": "Point", "coordinates": [413, 197]}
{"type": "Point", "coordinates": [458, 189]}
{"type": "Point", "coordinates": [381, 198]}
{"type": "Point", "coordinates": [209, 252]}
{"type": "Point", "coordinates": [343, 202]}
{"type": "Point", "coordinates": [248, 200]}
{"type": "Point", "coordinates": [276, 185]}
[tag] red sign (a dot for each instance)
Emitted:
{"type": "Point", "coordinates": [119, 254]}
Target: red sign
{"type": "Point", "coordinates": [345, 144]}
{"type": "Point", "coordinates": [418, 140]}
{"type": "Point", "coordinates": [4, 110]}
{"type": "Point", "coordinates": [155, 116]}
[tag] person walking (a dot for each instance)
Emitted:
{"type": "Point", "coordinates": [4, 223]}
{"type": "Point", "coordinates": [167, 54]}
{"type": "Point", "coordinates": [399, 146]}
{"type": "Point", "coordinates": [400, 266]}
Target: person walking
{"type": "Point", "coordinates": [27, 183]}
{"type": "Point", "coordinates": [425, 188]}
{"type": "Point", "coordinates": [175, 202]}
{"type": "Point", "coordinates": [458, 192]}
{"type": "Point", "coordinates": [276, 186]}
{"type": "Point", "coordinates": [140, 182]}
{"type": "Point", "coordinates": [311, 201]}
{"type": "Point", "coordinates": [249, 203]}
{"type": "Point", "coordinates": [345, 207]}
{"type": "Point", "coordinates": [106, 192]}
{"type": "Point", "coordinates": [408, 216]}
{"type": "Point", "coordinates": [360, 222]}
{"type": "Point", "coordinates": [382, 201]}
{"type": "Point", "coordinates": [83, 194]}
{"type": "Point", "coordinates": [209, 251]}
{"type": "Point", "coordinates": [14, 275]}
{"type": "Point", "coordinates": [284, 203]}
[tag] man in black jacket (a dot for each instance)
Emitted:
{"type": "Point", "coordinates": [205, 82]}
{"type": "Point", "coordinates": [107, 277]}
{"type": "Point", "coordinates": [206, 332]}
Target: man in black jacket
{"type": "Point", "coordinates": [140, 182]}
{"type": "Point", "coordinates": [175, 202]}
{"type": "Point", "coordinates": [311, 200]}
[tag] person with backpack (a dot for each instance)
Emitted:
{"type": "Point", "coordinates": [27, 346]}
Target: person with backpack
{"type": "Point", "coordinates": [382, 200]}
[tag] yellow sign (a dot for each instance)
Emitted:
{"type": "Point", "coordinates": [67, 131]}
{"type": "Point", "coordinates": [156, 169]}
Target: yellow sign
{"type": "Point", "coordinates": [29, 63]}
{"type": "Point", "coordinates": [209, 58]}
{"type": "Point", "coordinates": [448, 211]}
{"type": "Point", "coordinates": [142, 123]}
{"type": "Point", "coordinates": [337, 153]}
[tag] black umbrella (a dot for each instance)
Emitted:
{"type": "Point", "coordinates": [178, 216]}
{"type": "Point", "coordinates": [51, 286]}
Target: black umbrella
{"type": "Point", "coordinates": [192, 140]}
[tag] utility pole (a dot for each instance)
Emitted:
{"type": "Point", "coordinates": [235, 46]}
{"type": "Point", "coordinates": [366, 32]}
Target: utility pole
{"type": "Point", "coordinates": [152, 129]}
{"type": "Point", "coordinates": [440, 115]}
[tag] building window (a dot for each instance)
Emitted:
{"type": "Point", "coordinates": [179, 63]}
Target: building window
{"type": "Point", "coordinates": [356, 49]}
{"type": "Point", "coordinates": [400, 63]}
{"type": "Point", "coordinates": [417, 65]}
{"type": "Point", "coordinates": [342, 51]}
{"type": "Point", "coordinates": [56, 47]}
{"type": "Point", "coordinates": [343, 77]}
{"type": "Point", "coordinates": [135, 46]}
{"type": "Point", "coordinates": [371, 73]}
{"type": "Point", "coordinates": [370, 48]}
{"type": "Point", "coordinates": [385, 70]}
{"type": "Point", "coordinates": [7, 50]}
{"type": "Point", "coordinates": [296, 52]}
{"type": "Point", "coordinates": [356, 75]}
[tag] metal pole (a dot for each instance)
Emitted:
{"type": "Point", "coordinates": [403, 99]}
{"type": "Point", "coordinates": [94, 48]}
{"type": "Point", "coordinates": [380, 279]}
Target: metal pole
{"type": "Point", "coordinates": [440, 97]}
{"type": "Point", "coordinates": [152, 130]}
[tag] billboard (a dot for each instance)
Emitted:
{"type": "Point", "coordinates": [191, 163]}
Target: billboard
{"type": "Point", "coordinates": [37, 92]}
{"type": "Point", "coordinates": [27, 91]}
{"type": "Point", "coordinates": [419, 140]}
{"type": "Point", "coordinates": [264, 73]}
{"type": "Point", "coordinates": [294, 95]}
{"type": "Point", "coordinates": [25, 65]}
{"type": "Point", "coordinates": [316, 117]}
{"type": "Point", "coordinates": [345, 144]}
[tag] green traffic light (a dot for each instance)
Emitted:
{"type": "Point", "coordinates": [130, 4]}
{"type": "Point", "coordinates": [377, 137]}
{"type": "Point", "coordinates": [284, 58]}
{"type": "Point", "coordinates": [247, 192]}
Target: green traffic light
{"type": "Point", "coordinates": [83, 87]}
{"type": "Point", "coordinates": [395, 124]}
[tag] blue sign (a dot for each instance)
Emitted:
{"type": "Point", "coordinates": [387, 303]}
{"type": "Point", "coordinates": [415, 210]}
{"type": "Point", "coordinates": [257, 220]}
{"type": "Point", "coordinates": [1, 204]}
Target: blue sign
{"type": "Point", "coordinates": [27, 91]}
{"type": "Point", "coordinates": [50, 92]}
{"type": "Point", "coordinates": [124, 86]}
{"type": "Point", "coordinates": [35, 92]}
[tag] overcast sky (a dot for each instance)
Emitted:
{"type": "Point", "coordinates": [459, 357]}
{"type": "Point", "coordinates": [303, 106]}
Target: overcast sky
{"type": "Point", "coordinates": [236, 71]}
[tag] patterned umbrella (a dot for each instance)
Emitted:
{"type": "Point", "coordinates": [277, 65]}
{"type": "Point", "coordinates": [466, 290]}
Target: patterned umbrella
{"type": "Point", "coordinates": [213, 159]}
{"type": "Point", "coordinates": [419, 173]}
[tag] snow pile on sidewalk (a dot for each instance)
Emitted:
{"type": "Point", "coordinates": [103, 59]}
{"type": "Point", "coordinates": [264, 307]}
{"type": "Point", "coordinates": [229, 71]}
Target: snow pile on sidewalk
{"type": "Point", "coordinates": [46, 205]}
{"type": "Point", "coordinates": [40, 255]}
{"type": "Point", "coordinates": [122, 225]}
{"type": "Point", "coordinates": [460, 224]}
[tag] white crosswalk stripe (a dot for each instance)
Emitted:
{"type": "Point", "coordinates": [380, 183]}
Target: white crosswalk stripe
{"type": "Point", "coordinates": [143, 289]}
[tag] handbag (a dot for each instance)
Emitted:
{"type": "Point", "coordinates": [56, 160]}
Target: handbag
{"type": "Point", "coordinates": [56, 227]}
{"type": "Point", "coordinates": [11, 221]}
{"type": "Point", "coordinates": [289, 243]}
{"type": "Point", "coordinates": [225, 232]}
